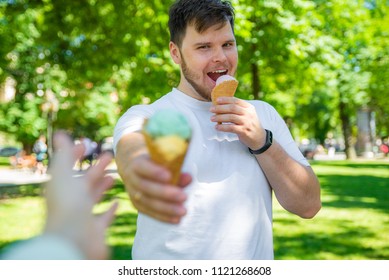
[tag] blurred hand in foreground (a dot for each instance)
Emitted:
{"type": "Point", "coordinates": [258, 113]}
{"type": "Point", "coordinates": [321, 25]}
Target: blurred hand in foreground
{"type": "Point", "coordinates": [70, 200]}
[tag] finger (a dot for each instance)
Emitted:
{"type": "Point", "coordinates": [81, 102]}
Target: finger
{"type": "Point", "coordinates": [96, 172]}
{"type": "Point", "coordinates": [99, 189]}
{"type": "Point", "coordinates": [167, 212]}
{"type": "Point", "coordinates": [230, 108]}
{"type": "Point", "coordinates": [185, 179]}
{"type": "Point", "coordinates": [159, 191]}
{"type": "Point", "coordinates": [228, 118]}
{"type": "Point", "coordinates": [230, 128]}
{"type": "Point", "coordinates": [167, 219]}
{"type": "Point", "coordinates": [146, 168]}
{"type": "Point", "coordinates": [166, 201]}
{"type": "Point", "coordinates": [107, 217]}
{"type": "Point", "coordinates": [62, 141]}
{"type": "Point", "coordinates": [78, 152]}
{"type": "Point", "coordinates": [63, 159]}
{"type": "Point", "coordinates": [65, 156]}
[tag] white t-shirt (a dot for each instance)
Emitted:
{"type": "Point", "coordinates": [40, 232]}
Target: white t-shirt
{"type": "Point", "coordinates": [229, 206]}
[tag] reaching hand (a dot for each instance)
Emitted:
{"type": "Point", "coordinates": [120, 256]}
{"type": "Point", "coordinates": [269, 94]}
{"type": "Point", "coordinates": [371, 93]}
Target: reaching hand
{"type": "Point", "coordinates": [70, 200]}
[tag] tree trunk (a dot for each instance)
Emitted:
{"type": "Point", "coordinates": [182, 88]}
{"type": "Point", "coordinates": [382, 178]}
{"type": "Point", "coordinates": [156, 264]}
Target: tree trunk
{"type": "Point", "coordinates": [256, 81]}
{"type": "Point", "coordinates": [27, 147]}
{"type": "Point", "coordinates": [346, 129]}
{"type": "Point", "coordinates": [255, 75]}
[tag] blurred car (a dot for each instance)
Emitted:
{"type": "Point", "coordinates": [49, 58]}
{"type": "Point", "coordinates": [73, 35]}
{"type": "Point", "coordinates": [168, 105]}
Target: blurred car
{"type": "Point", "coordinates": [8, 151]}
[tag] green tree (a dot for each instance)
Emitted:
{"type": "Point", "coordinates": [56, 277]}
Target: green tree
{"type": "Point", "coordinates": [316, 61]}
{"type": "Point", "coordinates": [283, 61]}
{"type": "Point", "coordinates": [20, 59]}
{"type": "Point", "coordinates": [378, 64]}
{"type": "Point", "coordinates": [350, 30]}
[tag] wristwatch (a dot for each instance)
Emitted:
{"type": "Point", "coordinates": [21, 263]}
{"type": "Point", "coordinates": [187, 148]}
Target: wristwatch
{"type": "Point", "coordinates": [268, 142]}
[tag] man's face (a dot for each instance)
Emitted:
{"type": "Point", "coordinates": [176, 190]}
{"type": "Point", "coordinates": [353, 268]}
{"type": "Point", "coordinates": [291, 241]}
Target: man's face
{"type": "Point", "coordinates": [203, 58]}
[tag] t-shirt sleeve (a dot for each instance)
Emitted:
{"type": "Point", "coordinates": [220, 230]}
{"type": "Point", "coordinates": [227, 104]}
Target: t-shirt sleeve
{"type": "Point", "coordinates": [281, 133]}
{"type": "Point", "coordinates": [130, 121]}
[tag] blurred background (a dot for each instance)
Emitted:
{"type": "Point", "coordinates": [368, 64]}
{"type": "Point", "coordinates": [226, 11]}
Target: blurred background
{"type": "Point", "coordinates": [79, 65]}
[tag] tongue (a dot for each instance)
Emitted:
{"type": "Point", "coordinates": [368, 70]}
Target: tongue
{"type": "Point", "coordinates": [215, 76]}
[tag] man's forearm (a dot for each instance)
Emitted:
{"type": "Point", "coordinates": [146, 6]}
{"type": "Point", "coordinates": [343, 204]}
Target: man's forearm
{"type": "Point", "coordinates": [295, 186]}
{"type": "Point", "coordinates": [128, 148]}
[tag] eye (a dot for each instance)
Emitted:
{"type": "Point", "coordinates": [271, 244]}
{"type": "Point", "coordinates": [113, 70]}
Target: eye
{"type": "Point", "coordinates": [228, 45]}
{"type": "Point", "coordinates": [202, 47]}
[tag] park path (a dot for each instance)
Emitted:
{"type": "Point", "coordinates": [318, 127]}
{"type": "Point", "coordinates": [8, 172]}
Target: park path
{"type": "Point", "coordinates": [15, 177]}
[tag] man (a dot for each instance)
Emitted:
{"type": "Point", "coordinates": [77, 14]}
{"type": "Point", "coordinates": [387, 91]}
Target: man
{"type": "Point", "coordinates": [222, 208]}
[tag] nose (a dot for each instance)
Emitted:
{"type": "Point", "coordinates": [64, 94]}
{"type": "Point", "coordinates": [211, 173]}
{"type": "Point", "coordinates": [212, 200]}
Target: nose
{"type": "Point", "coordinates": [219, 55]}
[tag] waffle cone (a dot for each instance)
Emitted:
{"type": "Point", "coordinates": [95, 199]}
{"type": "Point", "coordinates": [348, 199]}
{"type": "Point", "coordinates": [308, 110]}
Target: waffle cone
{"type": "Point", "coordinates": [226, 88]}
{"type": "Point", "coordinates": [158, 156]}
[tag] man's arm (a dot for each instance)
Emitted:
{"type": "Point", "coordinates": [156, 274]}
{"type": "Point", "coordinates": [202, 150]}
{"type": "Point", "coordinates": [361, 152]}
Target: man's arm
{"type": "Point", "coordinates": [147, 182]}
{"type": "Point", "coordinates": [295, 186]}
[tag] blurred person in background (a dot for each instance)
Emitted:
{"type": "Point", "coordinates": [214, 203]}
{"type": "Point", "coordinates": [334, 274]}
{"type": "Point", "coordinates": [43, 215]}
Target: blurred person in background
{"type": "Point", "coordinates": [40, 150]}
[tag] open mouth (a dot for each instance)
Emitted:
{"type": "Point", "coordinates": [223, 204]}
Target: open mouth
{"type": "Point", "coordinates": [214, 75]}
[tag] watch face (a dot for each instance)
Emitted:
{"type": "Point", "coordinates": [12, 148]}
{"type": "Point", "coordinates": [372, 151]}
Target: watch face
{"type": "Point", "coordinates": [270, 134]}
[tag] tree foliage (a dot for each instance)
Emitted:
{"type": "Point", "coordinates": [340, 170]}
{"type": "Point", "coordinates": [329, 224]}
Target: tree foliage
{"type": "Point", "coordinates": [316, 61]}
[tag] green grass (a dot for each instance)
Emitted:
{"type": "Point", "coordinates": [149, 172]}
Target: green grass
{"type": "Point", "coordinates": [22, 213]}
{"type": "Point", "coordinates": [352, 224]}
{"type": "Point", "coordinates": [4, 161]}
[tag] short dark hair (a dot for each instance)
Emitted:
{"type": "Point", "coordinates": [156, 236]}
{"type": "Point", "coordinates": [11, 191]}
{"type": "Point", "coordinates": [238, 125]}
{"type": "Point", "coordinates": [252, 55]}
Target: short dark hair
{"type": "Point", "coordinates": [202, 13]}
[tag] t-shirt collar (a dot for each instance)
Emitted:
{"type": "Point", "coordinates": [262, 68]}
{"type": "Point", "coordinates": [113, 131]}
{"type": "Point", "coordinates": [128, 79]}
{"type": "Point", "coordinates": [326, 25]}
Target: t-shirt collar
{"type": "Point", "coordinates": [190, 101]}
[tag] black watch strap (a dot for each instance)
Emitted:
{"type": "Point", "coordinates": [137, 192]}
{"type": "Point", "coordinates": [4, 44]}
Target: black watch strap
{"type": "Point", "coordinates": [268, 142]}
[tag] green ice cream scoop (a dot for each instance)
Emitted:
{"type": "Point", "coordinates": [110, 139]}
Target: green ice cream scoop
{"type": "Point", "coordinates": [168, 122]}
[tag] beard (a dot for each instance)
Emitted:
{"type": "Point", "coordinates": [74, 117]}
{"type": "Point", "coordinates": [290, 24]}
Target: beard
{"type": "Point", "coordinates": [203, 92]}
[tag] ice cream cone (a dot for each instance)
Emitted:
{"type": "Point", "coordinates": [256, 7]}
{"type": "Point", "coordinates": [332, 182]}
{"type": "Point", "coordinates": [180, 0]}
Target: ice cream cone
{"type": "Point", "coordinates": [167, 152]}
{"type": "Point", "coordinates": [225, 88]}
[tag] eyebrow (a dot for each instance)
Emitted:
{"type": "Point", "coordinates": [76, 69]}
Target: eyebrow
{"type": "Point", "coordinates": [209, 43]}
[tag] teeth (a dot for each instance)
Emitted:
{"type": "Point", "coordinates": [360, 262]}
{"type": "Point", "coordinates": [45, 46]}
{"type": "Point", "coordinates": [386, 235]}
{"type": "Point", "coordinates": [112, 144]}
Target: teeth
{"type": "Point", "coordinates": [219, 71]}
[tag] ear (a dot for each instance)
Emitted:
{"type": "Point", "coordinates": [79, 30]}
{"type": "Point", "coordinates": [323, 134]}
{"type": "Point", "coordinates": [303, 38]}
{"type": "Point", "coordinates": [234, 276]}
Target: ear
{"type": "Point", "coordinates": [175, 53]}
